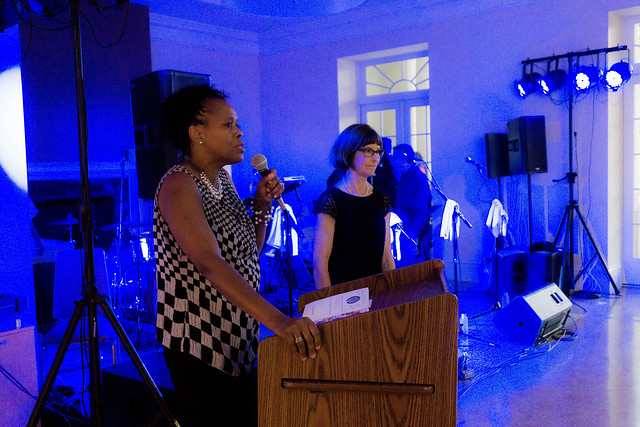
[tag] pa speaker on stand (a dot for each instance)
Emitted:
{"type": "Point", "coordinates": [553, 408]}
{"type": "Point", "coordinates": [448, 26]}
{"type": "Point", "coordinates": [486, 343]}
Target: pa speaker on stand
{"type": "Point", "coordinates": [527, 145]}
{"type": "Point", "coordinates": [154, 153]}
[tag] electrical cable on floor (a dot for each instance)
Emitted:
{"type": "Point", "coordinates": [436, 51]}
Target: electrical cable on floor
{"type": "Point", "coordinates": [23, 389]}
{"type": "Point", "coordinates": [527, 354]}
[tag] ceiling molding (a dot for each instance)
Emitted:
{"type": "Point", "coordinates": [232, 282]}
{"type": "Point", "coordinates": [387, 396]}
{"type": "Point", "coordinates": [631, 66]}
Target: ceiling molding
{"type": "Point", "coordinates": [192, 33]}
{"type": "Point", "coordinates": [276, 35]}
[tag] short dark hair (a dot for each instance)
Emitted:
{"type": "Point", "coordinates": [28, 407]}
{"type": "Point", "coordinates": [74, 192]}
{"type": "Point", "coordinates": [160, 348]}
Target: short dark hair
{"type": "Point", "coordinates": [347, 143]}
{"type": "Point", "coordinates": [184, 108]}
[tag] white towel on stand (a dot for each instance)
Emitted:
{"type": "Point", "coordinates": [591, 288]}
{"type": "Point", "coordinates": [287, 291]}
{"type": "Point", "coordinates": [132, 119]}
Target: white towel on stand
{"type": "Point", "coordinates": [446, 228]}
{"type": "Point", "coordinates": [497, 219]}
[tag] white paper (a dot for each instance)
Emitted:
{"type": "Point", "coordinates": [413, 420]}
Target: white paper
{"type": "Point", "coordinates": [338, 306]}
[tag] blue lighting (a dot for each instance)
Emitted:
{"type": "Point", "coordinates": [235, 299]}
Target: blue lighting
{"type": "Point", "coordinates": [553, 81]}
{"type": "Point", "coordinates": [586, 77]}
{"type": "Point", "coordinates": [527, 84]}
{"type": "Point", "coordinates": [617, 75]}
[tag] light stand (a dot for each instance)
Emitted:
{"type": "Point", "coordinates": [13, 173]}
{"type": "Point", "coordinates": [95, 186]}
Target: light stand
{"type": "Point", "coordinates": [91, 298]}
{"type": "Point", "coordinates": [572, 209]}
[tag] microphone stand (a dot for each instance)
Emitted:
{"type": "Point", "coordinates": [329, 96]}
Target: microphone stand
{"type": "Point", "coordinates": [287, 245]}
{"type": "Point", "coordinates": [456, 215]}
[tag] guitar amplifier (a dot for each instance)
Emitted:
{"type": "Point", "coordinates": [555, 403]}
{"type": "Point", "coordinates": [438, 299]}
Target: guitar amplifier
{"type": "Point", "coordinates": [532, 318]}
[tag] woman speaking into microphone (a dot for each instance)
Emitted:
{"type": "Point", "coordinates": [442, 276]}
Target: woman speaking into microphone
{"type": "Point", "coordinates": [208, 275]}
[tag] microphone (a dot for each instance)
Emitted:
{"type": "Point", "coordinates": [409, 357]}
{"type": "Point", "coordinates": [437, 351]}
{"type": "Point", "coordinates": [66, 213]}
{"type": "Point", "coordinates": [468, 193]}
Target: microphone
{"type": "Point", "coordinates": [259, 163]}
{"type": "Point", "coordinates": [473, 162]}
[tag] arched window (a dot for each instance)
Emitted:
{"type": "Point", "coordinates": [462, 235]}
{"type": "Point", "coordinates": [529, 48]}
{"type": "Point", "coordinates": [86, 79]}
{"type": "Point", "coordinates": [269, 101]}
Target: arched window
{"type": "Point", "coordinates": [393, 95]}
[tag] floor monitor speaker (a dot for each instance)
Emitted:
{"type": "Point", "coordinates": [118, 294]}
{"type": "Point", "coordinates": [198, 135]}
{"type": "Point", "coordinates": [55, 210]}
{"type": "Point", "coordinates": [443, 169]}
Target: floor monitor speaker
{"type": "Point", "coordinates": [531, 319]}
{"type": "Point", "coordinates": [527, 145]}
{"type": "Point", "coordinates": [496, 146]}
{"type": "Point", "coordinates": [154, 153]}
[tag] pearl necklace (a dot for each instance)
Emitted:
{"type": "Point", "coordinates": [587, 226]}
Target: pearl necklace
{"type": "Point", "coordinates": [215, 189]}
{"type": "Point", "coordinates": [349, 189]}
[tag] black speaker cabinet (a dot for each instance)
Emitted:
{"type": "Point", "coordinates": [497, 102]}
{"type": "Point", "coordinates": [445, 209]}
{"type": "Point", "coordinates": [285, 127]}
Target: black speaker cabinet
{"type": "Point", "coordinates": [527, 145]}
{"type": "Point", "coordinates": [531, 319]}
{"type": "Point", "coordinates": [496, 146]}
{"type": "Point", "coordinates": [520, 271]}
{"type": "Point", "coordinates": [154, 153]}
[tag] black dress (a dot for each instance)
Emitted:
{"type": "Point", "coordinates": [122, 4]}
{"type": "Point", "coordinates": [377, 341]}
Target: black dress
{"type": "Point", "coordinates": [358, 239]}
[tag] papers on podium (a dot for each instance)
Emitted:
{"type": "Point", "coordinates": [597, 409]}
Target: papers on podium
{"type": "Point", "coordinates": [338, 306]}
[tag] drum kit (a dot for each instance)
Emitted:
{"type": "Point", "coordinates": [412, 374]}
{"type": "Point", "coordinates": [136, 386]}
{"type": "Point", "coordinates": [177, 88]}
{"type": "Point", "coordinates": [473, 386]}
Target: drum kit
{"type": "Point", "coordinates": [130, 269]}
{"type": "Point", "coordinates": [131, 265]}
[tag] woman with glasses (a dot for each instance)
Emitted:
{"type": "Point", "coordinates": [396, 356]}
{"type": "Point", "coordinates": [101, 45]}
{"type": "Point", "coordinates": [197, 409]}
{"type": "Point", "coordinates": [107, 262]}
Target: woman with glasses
{"type": "Point", "coordinates": [352, 231]}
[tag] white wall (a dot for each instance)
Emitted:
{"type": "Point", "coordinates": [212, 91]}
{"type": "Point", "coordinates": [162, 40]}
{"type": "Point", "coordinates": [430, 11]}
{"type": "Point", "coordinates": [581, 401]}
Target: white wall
{"type": "Point", "coordinates": [292, 98]}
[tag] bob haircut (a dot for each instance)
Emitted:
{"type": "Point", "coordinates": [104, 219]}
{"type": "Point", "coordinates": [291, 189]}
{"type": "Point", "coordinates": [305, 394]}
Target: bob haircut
{"type": "Point", "coordinates": [185, 108]}
{"type": "Point", "coordinates": [347, 143]}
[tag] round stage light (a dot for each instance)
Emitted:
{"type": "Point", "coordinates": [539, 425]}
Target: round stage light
{"type": "Point", "coordinates": [586, 77]}
{"type": "Point", "coordinates": [617, 75]}
{"type": "Point", "coordinates": [552, 81]}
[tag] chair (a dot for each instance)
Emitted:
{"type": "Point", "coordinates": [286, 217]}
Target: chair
{"type": "Point", "coordinates": [68, 286]}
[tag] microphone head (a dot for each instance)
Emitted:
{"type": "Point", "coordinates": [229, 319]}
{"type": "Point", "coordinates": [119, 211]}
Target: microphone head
{"type": "Point", "coordinates": [259, 162]}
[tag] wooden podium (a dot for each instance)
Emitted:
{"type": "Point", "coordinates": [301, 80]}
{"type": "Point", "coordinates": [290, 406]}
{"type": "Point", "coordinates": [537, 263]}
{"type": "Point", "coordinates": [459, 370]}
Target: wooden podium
{"type": "Point", "coordinates": [393, 366]}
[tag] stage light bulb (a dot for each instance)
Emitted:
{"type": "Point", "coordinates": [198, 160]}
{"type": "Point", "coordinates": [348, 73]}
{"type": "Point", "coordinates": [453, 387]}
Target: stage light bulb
{"type": "Point", "coordinates": [586, 77]}
{"type": "Point", "coordinates": [617, 75]}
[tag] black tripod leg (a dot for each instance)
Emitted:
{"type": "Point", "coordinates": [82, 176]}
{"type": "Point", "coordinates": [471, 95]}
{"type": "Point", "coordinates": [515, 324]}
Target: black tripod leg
{"type": "Point", "coordinates": [564, 218]}
{"type": "Point", "coordinates": [135, 358]}
{"type": "Point", "coordinates": [593, 242]}
{"type": "Point", "coordinates": [57, 361]}
{"type": "Point", "coordinates": [566, 289]}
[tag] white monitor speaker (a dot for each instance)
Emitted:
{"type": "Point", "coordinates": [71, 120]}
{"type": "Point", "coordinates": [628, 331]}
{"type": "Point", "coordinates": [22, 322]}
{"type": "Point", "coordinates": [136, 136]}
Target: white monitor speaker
{"type": "Point", "coordinates": [532, 318]}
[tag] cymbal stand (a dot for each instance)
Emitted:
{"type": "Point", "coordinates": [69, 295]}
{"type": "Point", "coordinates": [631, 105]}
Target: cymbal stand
{"type": "Point", "coordinates": [91, 299]}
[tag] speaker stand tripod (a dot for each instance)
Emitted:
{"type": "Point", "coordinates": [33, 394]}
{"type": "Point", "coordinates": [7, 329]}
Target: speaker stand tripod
{"type": "Point", "coordinates": [571, 211]}
{"type": "Point", "coordinates": [568, 218]}
{"type": "Point", "coordinates": [91, 299]}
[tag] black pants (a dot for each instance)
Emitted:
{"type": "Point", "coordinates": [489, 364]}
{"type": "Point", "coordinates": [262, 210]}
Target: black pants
{"type": "Point", "coordinates": [206, 396]}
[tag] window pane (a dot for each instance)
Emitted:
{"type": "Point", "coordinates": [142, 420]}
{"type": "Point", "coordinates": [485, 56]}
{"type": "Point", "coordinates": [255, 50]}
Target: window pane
{"type": "Point", "coordinates": [419, 144]}
{"type": "Point", "coordinates": [388, 123]}
{"type": "Point", "coordinates": [636, 171]}
{"type": "Point", "coordinates": [418, 120]}
{"type": "Point", "coordinates": [377, 82]}
{"type": "Point", "coordinates": [636, 43]}
{"type": "Point", "coordinates": [393, 70]}
{"type": "Point", "coordinates": [636, 207]}
{"type": "Point", "coordinates": [636, 136]}
{"type": "Point", "coordinates": [383, 122]}
{"type": "Point", "coordinates": [636, 101]}
{"type": "Point", "coordinates": [428, 118]}
{"type": "Point", "coordinates": [399, 76]}
{"type": "Point", "coordinates": [403, 86]}
{"type": "Point", "coordinates": [376, 90]}
{"type": "Point", "coordinates": [636, 241]}
{"type": "Point", "coordinates": [373, 120]}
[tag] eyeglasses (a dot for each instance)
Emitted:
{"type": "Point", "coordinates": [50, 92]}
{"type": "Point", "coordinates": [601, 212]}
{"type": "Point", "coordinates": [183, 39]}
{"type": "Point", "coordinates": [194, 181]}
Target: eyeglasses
{"type": "Point", "coordinates": [368, 152]}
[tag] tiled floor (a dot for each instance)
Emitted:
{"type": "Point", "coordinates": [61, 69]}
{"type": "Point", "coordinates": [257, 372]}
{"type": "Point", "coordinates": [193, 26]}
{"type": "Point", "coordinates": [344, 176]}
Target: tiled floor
{"type": "Point", "coordinates": [591, 377]}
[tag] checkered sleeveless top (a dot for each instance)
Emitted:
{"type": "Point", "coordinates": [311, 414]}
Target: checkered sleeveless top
{"type": "Point", "coordinates": [193, 316]}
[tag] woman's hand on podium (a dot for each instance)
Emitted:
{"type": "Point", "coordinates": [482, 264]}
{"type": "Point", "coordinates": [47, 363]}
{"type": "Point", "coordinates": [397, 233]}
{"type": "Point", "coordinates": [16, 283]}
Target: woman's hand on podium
{"type": "Point", "coordinates": [302, 336]}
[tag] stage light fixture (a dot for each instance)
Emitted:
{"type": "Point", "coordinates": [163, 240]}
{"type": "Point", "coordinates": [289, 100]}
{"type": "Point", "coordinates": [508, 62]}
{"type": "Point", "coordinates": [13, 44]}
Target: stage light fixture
{"type": "Point", "coordinates": [617, 75]}
{"type": "Point", "coordinates": [527, 84]}
{"type": "Point", "coordinates": [10, 13]}
{"type": "Point", "coordinates": [585, 77]}
{"type": "Point", "coordinates": [552, 81]}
